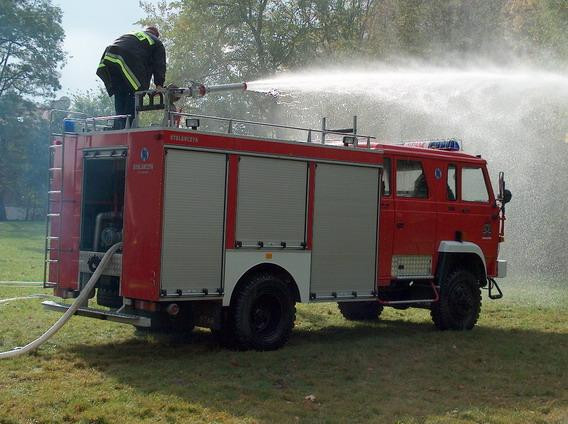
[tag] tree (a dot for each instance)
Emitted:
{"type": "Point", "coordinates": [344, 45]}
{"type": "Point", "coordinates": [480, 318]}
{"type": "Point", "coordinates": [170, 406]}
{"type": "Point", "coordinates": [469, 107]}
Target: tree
{"type": "Point", "coordinates": [23, 153]}
{"type": "Point", "coordinates": [92, 102]}
{"type": "Point", "coordinates": [227, 41]}
{"type": "Point", "coordinates": [434, 29]}
{"type": "Point", "coordinates": [219, 40]}
{"type": "Point", "coordinates": [538, 28]}
{"type": "Point", "coordinates": [31, 51]}
{"type": "Point", "coordinates": [243, 39]}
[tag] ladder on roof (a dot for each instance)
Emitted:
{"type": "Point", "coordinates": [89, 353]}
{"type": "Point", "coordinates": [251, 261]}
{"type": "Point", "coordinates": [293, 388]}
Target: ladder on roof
{"type": "Point", "coordinates": [54, 211]}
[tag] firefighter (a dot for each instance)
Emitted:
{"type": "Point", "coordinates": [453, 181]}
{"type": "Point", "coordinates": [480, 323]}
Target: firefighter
{"type": "Point", "coordinates": [128, 65]}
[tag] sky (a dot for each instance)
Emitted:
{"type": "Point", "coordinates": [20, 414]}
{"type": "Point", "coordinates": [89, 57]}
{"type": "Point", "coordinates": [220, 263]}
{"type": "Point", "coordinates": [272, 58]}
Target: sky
{"type": "Point", "coordinates": [89, 28]}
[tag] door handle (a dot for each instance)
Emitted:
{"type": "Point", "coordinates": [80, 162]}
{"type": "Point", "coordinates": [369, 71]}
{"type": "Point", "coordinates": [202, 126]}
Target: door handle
{"type": "Point", "coordinates": [400, 225]}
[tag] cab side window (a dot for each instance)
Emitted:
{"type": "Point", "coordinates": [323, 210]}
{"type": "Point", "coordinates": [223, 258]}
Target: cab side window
{"type": "Point", "coordinates": [385, 189]}
{"type": "Point", "coordinates": [452, 183]}
{"type": "Point", "coordinates": [473, 185]}
{"type": "Point", "coordinates": [410, 179]}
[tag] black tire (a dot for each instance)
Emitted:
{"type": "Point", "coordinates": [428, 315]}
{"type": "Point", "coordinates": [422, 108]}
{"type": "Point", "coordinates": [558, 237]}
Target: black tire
{"type": "Point", "coordinates": [263, 313]}
{"type": "Point", "coordinates": [459, 304]}
{"type": "Point", "coordinates": [108, 299]}
{"type": "Point", "coordinates": [360, 311]}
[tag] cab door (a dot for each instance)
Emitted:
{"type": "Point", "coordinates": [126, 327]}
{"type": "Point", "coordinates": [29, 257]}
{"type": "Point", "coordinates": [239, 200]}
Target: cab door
{"type": "Point", "coordinates": [478, 210]}
{"type": "Point", "coordinates": [450, 216]}
{"type": "Point", "coordinates": [415, 218]}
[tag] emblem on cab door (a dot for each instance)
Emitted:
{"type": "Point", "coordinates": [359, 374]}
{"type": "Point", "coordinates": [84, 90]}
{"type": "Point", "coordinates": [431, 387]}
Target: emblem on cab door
{"type": "Point", "coordinates": [144, 154]}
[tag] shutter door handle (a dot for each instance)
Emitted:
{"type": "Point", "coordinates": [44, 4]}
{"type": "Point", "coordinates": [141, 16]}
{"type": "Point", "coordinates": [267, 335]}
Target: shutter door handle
{"type": "Point", "coordinates": [400, 225]}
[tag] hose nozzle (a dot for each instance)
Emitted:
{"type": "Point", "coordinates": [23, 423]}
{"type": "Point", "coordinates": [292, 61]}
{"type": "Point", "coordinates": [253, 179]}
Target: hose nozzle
{"type": "Point", "coordinates": [201, 90]}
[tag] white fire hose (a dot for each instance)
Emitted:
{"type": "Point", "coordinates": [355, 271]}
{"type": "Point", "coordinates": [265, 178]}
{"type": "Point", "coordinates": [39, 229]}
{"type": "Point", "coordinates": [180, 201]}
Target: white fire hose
{"type": "Point", "coordinates": [69, 313]}
{"type": "Point", "coordinates": [31, 296]}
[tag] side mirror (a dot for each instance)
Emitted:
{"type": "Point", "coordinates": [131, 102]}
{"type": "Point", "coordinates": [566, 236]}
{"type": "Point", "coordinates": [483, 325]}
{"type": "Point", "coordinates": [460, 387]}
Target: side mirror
{"type": "Point", "coordinates": [501, 185]}
{"type": "Point", "coordinates": [504, 194]}
{"type": "Point", "coordinates": [507, 195]}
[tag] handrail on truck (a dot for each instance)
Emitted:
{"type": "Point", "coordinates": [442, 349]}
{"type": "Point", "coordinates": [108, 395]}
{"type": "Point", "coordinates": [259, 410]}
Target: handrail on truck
{"type": "Point", "coordinates": [231, 121]}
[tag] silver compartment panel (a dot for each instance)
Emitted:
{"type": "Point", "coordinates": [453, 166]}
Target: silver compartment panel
{"type": "Point", "coordinates": [271, 202]}
{"type": "Point", "coordinates": [345, 230]}
{"type": "Point", "coordinates": [193, 222]}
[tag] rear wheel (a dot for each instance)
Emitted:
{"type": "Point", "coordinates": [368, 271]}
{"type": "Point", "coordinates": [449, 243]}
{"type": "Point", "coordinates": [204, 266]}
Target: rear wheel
{"type": "Point", "coordinates": [263, 313]}
{"type": "Point", "coordinates": [459, 304]}
{"type": "Point", "coordinates": [360, 311]}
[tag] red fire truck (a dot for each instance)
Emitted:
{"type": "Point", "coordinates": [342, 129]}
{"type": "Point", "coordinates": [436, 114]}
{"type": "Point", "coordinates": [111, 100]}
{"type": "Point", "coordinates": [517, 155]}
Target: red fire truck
{"type": "Point", "coordinates": [228, 231]}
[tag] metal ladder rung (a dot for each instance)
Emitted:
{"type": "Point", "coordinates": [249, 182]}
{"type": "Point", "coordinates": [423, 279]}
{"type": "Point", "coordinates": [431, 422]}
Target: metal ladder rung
{"type": "Point", "coordinates": [51, 261]}
{"type": "Point", "coordinates": [53, 146]}
{"type": "Point", "coordinates": [53, 214]}
{"type": "Point", "coordinates": [55, 169]}
{"type": "Point", "coordinates": [52, 238]}
{"type": "Point", "coordinates": [54, 192]}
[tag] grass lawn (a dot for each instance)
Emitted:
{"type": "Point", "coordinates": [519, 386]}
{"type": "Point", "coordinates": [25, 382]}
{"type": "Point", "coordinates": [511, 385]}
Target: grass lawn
{"type": "Point", "coordinates": [512, 368]}
{"type": "Point", "coordinates": [21, 251]}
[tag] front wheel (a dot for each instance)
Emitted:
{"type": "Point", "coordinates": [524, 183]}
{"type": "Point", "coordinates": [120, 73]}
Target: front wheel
{"type": "Point", "coordinates": [264, 313]}
{"type": "Point", "coordinates": [459, 304]}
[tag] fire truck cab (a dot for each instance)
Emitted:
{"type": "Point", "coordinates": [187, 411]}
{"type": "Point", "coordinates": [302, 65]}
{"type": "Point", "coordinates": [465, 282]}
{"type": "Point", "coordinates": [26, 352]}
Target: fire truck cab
{"type": "Point", "coordinates": [229, 231]}
{"type": "Point", "coordinates": [441, 224]}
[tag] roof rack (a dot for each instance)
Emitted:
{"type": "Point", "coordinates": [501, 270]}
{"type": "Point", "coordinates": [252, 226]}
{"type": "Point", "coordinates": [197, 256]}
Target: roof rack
{"type": "Point", "coordinates": [348, 136]}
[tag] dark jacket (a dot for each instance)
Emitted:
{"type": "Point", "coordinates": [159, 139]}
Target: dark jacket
{"type": "Point", "coordinates": [130, 61]}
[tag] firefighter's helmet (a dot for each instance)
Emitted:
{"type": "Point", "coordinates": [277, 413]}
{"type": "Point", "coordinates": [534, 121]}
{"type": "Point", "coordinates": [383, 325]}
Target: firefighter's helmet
{"type": "Point", "coordinates": [153, 30]}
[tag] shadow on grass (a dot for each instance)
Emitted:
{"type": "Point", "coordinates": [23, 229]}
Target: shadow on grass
{"type": "Point", "coordinates": [377, 371]}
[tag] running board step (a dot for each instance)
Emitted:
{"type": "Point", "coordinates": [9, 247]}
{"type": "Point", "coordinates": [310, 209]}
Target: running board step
{"type": "Point", "coordinates": [99, 314]}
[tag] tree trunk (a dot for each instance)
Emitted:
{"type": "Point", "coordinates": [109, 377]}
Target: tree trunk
{"type": "Point", "coordinates": [2, 207]}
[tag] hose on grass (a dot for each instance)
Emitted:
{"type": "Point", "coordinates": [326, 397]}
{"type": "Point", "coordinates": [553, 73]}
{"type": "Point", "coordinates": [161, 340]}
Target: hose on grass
{"type": "Point", "coordinates": [18, 351]}
{"type": "Point", "coordinates": [31, 296]}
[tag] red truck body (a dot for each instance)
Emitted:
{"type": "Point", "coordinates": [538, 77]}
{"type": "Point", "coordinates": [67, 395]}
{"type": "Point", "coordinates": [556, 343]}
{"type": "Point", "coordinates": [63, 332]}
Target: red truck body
{"type": "Point", "coordinates": [209, 221]}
